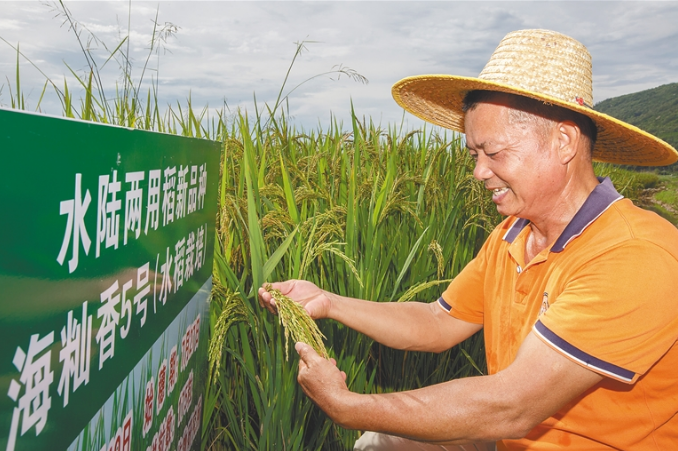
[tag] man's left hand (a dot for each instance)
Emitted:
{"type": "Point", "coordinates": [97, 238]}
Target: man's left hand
{"type": "Point", "coordinates": [322, 381]}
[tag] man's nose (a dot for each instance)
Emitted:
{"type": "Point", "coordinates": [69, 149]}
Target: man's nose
{"type": "Point", "coordinates": [481, 171]}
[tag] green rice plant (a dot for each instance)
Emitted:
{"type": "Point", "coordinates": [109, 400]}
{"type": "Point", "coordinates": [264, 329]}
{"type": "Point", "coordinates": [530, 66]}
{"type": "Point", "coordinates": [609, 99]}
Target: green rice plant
{"type": "Point", "coordinates": [257, 392]}
{"type": "Point", "coordinates": [233, 312]}
{"type": "Point", "coordinates": [669, 196]}
{"type": "Point", "coordinates": [379, 194]}
{"type": "Point", "coordinates": [628, 183]}
{"type": "Point", "coordinates": [648, 179]}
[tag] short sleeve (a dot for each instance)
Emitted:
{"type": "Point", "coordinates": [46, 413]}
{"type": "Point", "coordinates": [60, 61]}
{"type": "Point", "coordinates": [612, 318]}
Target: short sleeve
{"type": "Point", "coordinates": [464, 297]}
{"type": "Point", "coordinates": [618, 314]}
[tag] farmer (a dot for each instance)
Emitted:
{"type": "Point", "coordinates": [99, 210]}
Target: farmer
{"type": "Point", "coordinates": [576, 290]}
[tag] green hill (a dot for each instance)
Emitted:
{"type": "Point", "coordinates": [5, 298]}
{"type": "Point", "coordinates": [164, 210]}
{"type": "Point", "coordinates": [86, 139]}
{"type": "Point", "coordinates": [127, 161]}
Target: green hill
{"type": "Point", "coordinates": [654, 110]}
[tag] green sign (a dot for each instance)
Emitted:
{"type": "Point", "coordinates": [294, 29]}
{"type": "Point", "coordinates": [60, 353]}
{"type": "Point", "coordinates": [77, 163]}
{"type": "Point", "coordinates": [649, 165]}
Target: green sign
{"type": "Point", "coordinates": [106, 245]}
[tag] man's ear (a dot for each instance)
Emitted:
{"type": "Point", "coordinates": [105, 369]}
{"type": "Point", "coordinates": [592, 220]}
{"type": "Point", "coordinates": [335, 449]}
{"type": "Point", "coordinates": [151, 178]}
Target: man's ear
{"type": "Point", "coordinates": [570, 140]}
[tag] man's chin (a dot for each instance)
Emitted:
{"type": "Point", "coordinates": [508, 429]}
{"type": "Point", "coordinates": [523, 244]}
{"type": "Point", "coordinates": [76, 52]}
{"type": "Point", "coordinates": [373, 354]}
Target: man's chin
{"type": "Point", "coordinates": [506, 210]}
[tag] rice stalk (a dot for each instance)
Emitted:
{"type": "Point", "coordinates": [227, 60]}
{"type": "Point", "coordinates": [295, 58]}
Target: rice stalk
{"type": "Point", "coordinates": [233, 312]}
{"type": "Point", "coordinates": [329, 247]}
{"type": "Point", "coordinates": [297, 323]}
{"type": "Point", "coordinates": [418, 288]}
{"type": "Point", "coordinates": [438, 252]}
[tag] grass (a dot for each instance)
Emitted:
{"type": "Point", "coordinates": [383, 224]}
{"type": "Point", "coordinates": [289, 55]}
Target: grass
{"type": "Point", "coordinates": [664, 199]}
{"type": "Point", "coordinates": [669, 195]}
{"type": "Point", "coordinates": [648, 189]}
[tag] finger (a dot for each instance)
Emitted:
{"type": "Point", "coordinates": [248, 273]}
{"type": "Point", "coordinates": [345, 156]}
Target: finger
{"type": "Point", "coordinates": [275, 285]}
{"type": "Point", "coordinates": [303, 367]}
{"type": "Point", "coordinates": [334, 362]}
{"type": "Point", "coordinates": [267, 301]}
{"type": "Point", "coordinates": [306, 352]}
{"type": "Point", "coordinates": [262, 293]}
{"type": "Point", "coordinates": [343, 374]}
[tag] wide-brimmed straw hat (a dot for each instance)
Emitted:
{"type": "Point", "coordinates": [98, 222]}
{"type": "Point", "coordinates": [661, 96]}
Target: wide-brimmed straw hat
{"type": "Point", "coordinates": [543, 65]}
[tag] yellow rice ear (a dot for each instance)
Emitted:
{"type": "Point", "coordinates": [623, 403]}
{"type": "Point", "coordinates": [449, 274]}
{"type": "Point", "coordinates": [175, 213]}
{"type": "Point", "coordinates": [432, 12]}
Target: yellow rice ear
{"type": "Point", "coordinates": [297, 323]}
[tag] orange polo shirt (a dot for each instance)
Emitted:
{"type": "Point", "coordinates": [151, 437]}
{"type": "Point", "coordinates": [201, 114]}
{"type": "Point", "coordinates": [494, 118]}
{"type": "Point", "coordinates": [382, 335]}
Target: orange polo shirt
{"type": "Point", "coordinates": [605, 295]}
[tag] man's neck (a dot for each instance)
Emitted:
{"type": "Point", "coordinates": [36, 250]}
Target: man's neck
{"type": "Point", "coordinates": [546, 230]}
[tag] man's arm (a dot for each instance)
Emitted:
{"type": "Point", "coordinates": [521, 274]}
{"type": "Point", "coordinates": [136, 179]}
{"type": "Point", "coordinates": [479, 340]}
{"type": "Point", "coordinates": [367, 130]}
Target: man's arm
{"type": "Point", "coordinates": [506, 405]}
{"type": "Point", "coordinates": [412, 326]}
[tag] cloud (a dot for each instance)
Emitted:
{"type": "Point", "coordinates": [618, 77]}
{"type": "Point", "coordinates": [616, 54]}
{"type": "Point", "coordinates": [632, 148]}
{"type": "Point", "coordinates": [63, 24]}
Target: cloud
{"type": "Point", "coordinates": [11, 24]}
{"type": "Point", "coordinates": [231, 50]}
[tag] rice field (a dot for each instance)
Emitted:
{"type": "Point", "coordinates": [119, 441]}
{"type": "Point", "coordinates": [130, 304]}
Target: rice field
{"type": "Point", "coordinates": [366, 213]}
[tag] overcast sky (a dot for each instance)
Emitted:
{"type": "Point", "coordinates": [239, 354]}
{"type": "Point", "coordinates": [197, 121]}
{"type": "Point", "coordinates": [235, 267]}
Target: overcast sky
{"type": "Point", "coordinates": [226, 51]}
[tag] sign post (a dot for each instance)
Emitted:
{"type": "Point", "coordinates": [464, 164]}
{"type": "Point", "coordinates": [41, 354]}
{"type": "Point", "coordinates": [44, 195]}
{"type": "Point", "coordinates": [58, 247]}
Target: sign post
{"type": "Point", "coordinates": [106, 246]}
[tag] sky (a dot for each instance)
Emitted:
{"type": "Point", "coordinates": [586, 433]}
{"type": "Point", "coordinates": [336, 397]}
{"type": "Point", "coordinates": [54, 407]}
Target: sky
{"type": "Point", "coordinates": [224, 53]}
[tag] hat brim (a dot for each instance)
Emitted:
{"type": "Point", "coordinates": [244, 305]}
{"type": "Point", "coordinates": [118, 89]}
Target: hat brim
{"type": "Point", "coordinates": [438, 99]}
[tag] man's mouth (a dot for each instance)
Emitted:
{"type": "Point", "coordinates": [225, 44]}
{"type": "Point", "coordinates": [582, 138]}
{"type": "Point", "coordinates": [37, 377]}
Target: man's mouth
{"type": "Point", "coordinates": [498, 194]}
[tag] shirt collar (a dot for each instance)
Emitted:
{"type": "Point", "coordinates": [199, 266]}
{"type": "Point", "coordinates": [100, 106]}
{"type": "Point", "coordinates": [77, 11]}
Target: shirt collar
{"type": "Point", "coordinates": [515, 229]}
{"type": "Point", "coordinates": [600, 199]}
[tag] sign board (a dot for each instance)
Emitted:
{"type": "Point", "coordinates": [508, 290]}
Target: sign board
{"type": "Point", "coordinates": [106, 245]}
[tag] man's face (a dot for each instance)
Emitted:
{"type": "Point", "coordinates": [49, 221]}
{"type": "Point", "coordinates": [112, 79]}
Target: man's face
{"type": "Point", "coordinates": [517, 161]}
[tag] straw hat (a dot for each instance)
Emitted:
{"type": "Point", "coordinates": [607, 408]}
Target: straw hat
{"type": "Point", "coordinates": [543, 65]}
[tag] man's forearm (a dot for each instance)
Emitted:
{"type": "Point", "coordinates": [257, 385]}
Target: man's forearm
{"type": "Point", "coordinates": [455, 412]}
{"type": "Point", "coordinates": [410, 325]}
{"type": "Point", "coordinates": [507, 404]}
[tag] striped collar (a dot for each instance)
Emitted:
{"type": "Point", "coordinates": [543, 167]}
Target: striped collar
{"type": "Point", "coordinates": [600, 199]}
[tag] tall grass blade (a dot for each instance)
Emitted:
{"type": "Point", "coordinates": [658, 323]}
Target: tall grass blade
{"type": "Point", "coordinates": [408, 260]}
{"type": "Point", "coordinates": [277, 256]}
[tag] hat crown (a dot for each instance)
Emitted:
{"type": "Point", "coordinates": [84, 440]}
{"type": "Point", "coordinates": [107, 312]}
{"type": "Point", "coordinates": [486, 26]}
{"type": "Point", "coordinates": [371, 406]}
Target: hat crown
{"type": "Point", "coordinates": [545, 62]}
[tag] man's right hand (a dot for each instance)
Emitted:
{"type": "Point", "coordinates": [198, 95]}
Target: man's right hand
{"type": "Point", "coordinates": [313, 299]}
